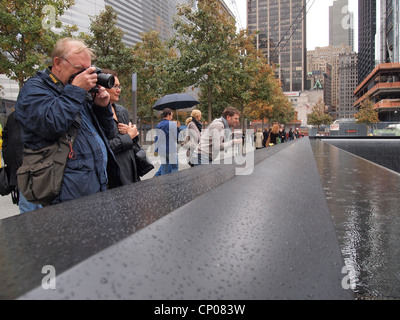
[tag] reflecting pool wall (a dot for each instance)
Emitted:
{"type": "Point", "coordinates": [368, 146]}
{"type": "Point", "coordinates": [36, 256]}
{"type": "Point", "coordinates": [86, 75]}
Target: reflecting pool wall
{"type": "Point", "coordinates": [364, 201]}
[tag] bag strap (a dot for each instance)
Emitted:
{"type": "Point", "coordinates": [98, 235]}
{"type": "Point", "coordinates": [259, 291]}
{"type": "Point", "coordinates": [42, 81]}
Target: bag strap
{"type": "Point", "coordinates": [73, 130]}
{"type": "Point", "coordinates": [72, 133]}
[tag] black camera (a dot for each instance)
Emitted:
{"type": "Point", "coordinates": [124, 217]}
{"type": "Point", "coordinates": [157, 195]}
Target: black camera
{"type": "Point", "coordinates": [103, 79]}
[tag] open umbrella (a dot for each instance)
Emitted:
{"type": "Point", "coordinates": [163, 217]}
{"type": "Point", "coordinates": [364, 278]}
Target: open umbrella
{"type": "Point", "coordinates": [175, 101]}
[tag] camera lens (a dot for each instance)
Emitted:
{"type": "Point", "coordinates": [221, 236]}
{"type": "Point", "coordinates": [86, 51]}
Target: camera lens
{"type": "Point", "coordinates": [105, 80]}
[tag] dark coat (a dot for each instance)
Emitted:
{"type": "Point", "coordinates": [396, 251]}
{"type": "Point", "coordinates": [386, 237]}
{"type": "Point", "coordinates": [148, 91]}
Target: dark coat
{"type": "Point", "coordinates": [121, 145]}
{"type": "Point", "coordinates": [272, 137]}
{"type": "Point", "coordinates": [12, 147]}
{"type": "Point", "coordinates": [265, 137]}
{"type": "Point", "coordinates": [282, 135]}
{"type": "Point", "coordinates": [46, 109]}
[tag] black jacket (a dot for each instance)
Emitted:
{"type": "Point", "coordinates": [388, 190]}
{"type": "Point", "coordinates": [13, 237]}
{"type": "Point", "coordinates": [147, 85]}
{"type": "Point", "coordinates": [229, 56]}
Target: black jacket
{"type": "Point", "coordinates": [122, 146]}
{"type": "Point", "coordinates": [12, 147]}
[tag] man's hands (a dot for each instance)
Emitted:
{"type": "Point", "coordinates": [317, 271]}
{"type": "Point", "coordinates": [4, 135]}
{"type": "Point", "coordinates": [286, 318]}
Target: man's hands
{"type": "Point", "coordinates": [128, 129]}
{"type": "Point", "coordinates": [237, 137]}
{"type": "Point", "coordinates": [102, 98]}
{"type": "Point", "coordinates": [87, 80]}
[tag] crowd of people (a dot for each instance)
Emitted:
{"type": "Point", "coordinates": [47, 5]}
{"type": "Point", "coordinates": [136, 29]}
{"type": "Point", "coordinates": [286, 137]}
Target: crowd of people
{"type": "Point", "coordinates": [104, 153]}
{"type": "Point", "coordinates": [275, 135]}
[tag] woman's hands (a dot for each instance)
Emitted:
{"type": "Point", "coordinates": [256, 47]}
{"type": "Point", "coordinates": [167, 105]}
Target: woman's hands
{"type": "Point", "coordinates": [128, 129]}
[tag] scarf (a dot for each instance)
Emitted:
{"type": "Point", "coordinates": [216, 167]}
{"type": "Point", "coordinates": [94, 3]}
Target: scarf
{"type": "Point", "coordinates": [228, 131]}
{"type": "Point", "coordinates": [198, 124]}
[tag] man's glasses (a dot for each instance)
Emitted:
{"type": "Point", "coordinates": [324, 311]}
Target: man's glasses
{"type": "Point", "coordinates": [73, 65]}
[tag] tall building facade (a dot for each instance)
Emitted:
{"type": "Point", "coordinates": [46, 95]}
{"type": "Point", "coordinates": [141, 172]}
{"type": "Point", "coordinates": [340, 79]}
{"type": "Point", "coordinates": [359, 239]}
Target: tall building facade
{"type": "Point", "coordinates": [388, 32]}
{"type": "Point", "coordinates": [348, 82]}
{"type": "Point", "coordinates": [134, 16]}
{"type": "Point", "coordinates": [379, 72]}
{"type": "Point", "coordinates": [320, 59]}
{"type": "Point", "coordinates": [341, 24]}
{"type": "Point", "coordinates": [280, 27]}
{"type": "Point", "coordinates": [366, 37]}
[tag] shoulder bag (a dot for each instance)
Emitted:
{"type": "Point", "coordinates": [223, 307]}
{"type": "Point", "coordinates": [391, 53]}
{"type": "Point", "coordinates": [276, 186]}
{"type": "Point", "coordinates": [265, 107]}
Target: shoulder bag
{"type": "Point", "coordinates": [143, 164]}
{"type": "Point", "coordinates": [41, 174]}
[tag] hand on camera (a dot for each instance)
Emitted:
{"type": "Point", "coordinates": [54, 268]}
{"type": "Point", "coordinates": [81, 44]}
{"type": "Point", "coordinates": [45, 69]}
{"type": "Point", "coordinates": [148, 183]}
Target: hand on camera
{"type": "Point", "coordinates": [102, 98]}
{"type": "Point", "coordinates": [86, 80]}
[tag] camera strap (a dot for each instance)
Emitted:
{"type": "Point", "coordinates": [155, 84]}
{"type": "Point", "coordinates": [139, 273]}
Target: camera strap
{"type": "Point", "coordinates": [57, 82]}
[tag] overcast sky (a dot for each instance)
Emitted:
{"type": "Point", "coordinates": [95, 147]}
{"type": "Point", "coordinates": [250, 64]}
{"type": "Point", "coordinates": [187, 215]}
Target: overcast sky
{"type": "Point", "coordinates": [317, 20]}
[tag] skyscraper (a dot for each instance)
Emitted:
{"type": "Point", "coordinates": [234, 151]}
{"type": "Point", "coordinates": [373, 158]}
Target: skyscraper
{"type": "Point", "coordinates": [281, 26]}
{"type": "Point", "coordinates": [366, 37]}
{"type": "Point", "coordinates": [319, 59]}
{"type": "Point", "coordinates": [348, 81]}
{"type": "Point", "coordinates": [379, 55]}
{"type": "Point", "coordinates": [341, 24]}
{"type": "Point", "coordinates": [388, 32]}
{"type": "Point", "coordinates": [134, 16]}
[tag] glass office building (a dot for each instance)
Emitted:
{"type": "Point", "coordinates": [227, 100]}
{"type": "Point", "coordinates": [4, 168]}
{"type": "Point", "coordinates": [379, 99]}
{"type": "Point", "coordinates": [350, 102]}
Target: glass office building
{"type": "Point", "coordinates": [134, 16]}
{"type": "Point", "coordinates": [282, 38]}
{"type": "Point", "coordinates": [366, 38]}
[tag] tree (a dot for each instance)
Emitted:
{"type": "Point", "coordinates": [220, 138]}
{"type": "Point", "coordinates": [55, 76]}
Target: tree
{"type": "Point", "coordinates": [151, 58]}
{"type": "Point", "coordinates": [26, 37]}
{"type": "Point", "coordinates": [106, 41]}
{"type": "Point", "coordinates": [319, 116]}
{"type": "Point", "coordinates": [268, 99]}
{"type": "Point", "coordinates": [367, 113]}
{"type": "Point", "coordinates": [203, 38]}
{"type": "Point", "coordinates": [246, 79]}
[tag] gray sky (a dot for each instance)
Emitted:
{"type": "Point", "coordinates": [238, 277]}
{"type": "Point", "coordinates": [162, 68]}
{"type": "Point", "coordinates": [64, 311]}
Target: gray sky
{"type": "Point", "coordinates": [317, 20]}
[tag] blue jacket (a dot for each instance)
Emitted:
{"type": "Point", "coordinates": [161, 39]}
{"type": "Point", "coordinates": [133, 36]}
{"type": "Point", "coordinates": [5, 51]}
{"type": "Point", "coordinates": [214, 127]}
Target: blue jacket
{"type": "Point", "coordinates": [167, 143]}
{"type": "Point", "coordinates": [46, 109]}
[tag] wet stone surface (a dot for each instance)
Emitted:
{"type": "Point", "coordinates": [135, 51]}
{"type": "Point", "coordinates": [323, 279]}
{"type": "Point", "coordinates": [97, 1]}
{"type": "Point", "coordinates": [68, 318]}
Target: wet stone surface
{"type": "Point", "coordinates": [201, 234]}
{"type": "Point", "coordinates": [363, 199]}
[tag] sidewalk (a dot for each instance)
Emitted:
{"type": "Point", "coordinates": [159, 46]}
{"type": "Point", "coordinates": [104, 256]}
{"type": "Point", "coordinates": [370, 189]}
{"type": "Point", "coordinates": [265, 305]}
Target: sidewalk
{"type": "Point", "coordinates": [7, 208]}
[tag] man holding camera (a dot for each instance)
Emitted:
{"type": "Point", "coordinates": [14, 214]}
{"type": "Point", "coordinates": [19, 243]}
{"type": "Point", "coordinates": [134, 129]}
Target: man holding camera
{"type": "Point", "coordinates": [48, 106]}
{"type": "Point", "coordinates": [217, 137]}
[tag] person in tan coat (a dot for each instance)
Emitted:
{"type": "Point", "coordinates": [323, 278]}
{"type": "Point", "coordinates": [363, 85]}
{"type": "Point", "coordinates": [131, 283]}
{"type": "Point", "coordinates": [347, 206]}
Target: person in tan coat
{"type": "Point", "coordinates": [194, 128]}
{"type": "Point", "coordinates": [259, 138]}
